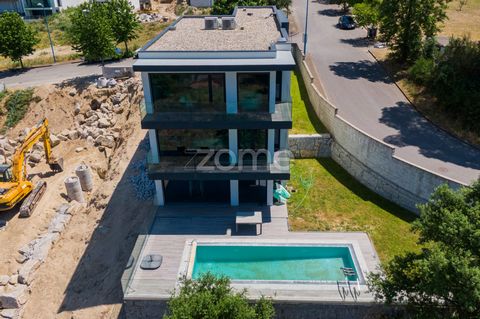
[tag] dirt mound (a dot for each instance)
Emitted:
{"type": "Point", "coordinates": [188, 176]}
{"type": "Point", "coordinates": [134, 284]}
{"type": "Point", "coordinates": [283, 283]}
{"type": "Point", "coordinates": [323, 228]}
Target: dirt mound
{"type": "Point", "coordinates": [101, 128]}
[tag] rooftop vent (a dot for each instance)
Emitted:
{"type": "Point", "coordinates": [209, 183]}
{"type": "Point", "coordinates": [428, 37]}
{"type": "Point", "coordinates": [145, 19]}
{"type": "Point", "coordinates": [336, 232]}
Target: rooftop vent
{"type": "Point", "coordinates": [228, 23]}
{"type": "Point", "coordinates": [211, 23]}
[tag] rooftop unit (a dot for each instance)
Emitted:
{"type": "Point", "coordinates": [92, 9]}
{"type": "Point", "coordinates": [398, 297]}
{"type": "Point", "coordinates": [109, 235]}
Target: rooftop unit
{"type": "Point", "coordinates": [211, 23]}
{"type": "Point", "coordinates": [228, 23]}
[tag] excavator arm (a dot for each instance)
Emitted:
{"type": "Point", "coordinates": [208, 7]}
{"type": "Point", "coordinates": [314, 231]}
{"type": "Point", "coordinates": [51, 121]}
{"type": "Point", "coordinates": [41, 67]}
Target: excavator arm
{"type": "Point", "coordinates": [39, 131]}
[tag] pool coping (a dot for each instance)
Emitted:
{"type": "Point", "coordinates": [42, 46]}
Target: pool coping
{"type": "Point", "coordinates": [189, 253]}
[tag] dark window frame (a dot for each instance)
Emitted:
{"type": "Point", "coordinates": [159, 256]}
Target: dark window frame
{"type": "Point", "coordinates": [210, 90]}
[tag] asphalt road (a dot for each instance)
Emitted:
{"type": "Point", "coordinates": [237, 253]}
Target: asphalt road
{"type": "Point", "coordinates": [52, 74]}
{"type": "Point", "coordinates": [366, 97]}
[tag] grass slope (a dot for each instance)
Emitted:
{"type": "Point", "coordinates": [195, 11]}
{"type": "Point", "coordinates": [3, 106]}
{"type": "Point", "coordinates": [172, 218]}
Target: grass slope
{"type": "Point", "coordinates": [304, 119]}
{"type": "Point", "coordinates": [327, 198]}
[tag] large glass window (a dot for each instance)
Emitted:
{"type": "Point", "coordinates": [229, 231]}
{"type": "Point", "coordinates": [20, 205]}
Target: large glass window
{"type": "Point", "coordinates": [188, 92]}
{"type": "Point", "coordinates": [252, 139]}
{"type": "Point", "coordinates": [253, 92]}
{"type": "Point", "coordinates": [180, 142]}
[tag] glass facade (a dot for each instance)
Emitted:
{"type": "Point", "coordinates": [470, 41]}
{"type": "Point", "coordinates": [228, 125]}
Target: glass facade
{"type": "Point", "coordinates": [180, 142]}
{"type": "Point", "coordinates": [253, 92]}
{"type": "Point", "coordinates": [188, 92]}
{"type": "Point", "coordinates": [252, 139]}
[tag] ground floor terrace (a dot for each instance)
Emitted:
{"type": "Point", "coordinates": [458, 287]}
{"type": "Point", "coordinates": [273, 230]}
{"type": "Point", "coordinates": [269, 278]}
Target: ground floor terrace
{"type": "Point", "coordinates": [176, 227]}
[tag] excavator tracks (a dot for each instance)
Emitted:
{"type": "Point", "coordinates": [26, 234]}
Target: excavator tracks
{"type": "Point", "coordinates": [29, 204]}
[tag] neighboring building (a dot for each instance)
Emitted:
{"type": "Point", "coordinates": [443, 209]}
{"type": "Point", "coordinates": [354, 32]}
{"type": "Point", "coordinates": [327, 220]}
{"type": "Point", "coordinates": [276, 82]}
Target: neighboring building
{"type": "Point", "coordinates": [218, 85]}
{"type": "Point", "coordinates": [36, 8]}
{"type": "Point", "coordinates": [11, 5]}
{"type": "Point", "coordinates": [201, 3]}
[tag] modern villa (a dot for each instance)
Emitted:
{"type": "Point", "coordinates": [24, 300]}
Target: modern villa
{"type": "Point", "coordinates": [217, 107]}
{"type": "Point", "coordinates": [217, 110]}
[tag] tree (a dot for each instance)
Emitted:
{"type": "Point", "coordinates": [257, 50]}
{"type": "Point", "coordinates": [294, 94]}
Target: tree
{"type": "Point", "coordinates": [346, 3]}
{"type": "Point", "coordinates": [90, 31]}
{"type": "Point", "coordinates": [405, 23]}
{"type": "Point", "coordinates": [456, 82]}
{"type": "Point", "coordinates": [443, 280]}
{"type": "Point", "coordinates": [211, 297]}
{"type": "Point", "coordinates": [367, 14]}
{"type": "Point", "coordinates": [123, 20]}
{"type": "Point", "coordinates": [17, 39]}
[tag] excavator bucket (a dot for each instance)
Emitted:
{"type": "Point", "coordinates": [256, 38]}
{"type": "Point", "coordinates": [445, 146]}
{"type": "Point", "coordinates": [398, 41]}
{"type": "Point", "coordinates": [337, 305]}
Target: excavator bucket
{"type": "Point", "coordinates": [57, 165]}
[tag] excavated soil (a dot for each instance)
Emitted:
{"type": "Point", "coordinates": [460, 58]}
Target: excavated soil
{"type": "Point", "coordinates": [81, 275]}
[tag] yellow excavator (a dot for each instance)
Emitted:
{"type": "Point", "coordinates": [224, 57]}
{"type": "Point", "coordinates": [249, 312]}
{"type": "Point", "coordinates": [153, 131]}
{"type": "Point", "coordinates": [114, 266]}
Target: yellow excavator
{"type": "Point", "coordinates": [14, 183]}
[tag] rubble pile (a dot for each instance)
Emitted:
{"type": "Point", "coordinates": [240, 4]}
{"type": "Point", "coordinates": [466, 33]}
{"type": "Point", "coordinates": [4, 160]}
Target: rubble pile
{"type": "Point", "coordinates": [95, 118]}
{"type": "Point", "coordinates": [143, 186]}
{"type": "Point", "coordinates": [15, 289]}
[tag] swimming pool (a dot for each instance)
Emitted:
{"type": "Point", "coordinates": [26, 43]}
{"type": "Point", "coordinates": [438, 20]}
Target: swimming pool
{"type": "Point", "coordinates": [268, 262]}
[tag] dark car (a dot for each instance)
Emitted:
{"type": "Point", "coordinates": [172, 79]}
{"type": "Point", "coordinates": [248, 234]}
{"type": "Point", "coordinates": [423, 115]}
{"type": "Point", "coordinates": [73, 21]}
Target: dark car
{"type": "Point", "coordinates": [346, 22]}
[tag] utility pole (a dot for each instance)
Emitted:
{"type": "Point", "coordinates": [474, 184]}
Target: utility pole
{"type": "Point", "coordinates": [306, 31]}
{"type": "Point", "coordinates": [48, 31]}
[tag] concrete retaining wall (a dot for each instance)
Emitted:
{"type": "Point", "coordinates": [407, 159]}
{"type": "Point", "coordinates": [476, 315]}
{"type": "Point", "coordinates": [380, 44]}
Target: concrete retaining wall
{"type": "Point", "coordinates": [310, 146]}
{"type": "Point", "coordinates": [370, 160]}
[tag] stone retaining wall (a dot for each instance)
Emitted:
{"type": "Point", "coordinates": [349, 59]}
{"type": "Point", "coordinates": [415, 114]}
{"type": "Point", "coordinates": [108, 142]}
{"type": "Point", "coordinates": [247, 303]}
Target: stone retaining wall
{"type": "Point", "coordinates": [310, 146]}
{"type": "Point", "coordinates": [370, 160]}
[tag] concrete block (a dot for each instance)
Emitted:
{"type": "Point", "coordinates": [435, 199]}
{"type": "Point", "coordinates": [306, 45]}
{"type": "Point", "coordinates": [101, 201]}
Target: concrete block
{"type": "Point", "coordinates": [14, 297]}
{"type": "Point", "coordinates": [10, 314]}
{"type": "Point", "coordinates": [4, 280]}
{"type": "Point", "coordinates": [27, 271]}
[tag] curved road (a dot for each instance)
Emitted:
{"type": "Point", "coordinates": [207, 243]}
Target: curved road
{"type": "Point", "coordinates": [366, 97]}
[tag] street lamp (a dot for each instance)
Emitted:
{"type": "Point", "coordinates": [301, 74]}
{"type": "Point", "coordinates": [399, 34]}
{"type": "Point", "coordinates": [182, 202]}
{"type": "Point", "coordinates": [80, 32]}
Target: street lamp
{"type": "Point", "coordinates": [306, 30]}
{"type": "Point", "coordinates": [48, 31]}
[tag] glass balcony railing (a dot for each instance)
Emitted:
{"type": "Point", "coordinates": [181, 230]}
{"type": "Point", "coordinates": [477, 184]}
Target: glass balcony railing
{"type": "Point", "coordinates": [204, 162]}
{"type": "Point", "coordinates": [37, 4]}
{"type": "Point", "coordinates": [281, 118]}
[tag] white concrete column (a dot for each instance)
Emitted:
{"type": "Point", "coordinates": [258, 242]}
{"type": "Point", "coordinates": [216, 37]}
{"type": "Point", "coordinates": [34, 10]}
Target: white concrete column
{"type": "Point", "coordinates": [152, 138]}
{"type": "Point", "coordinates": [271, 144]}
{"type": "Point", "coordinates": [159, 199]}
{"type": "Point", "coordinates": [271, 99]}
{"type": "Point", "coordinates": [233, 145]}
{"type": "Point", "coordinates": [283, 139]}
{"type": "Point", "coordinates": [269, 193]}
{"type": "Point", "coordinates": [231, 91]}
{"type": "Point", "coordinates": [147, 92]}
{"type": "Point", "coordinates": [234, 195]}
{"type": "Point", "coordinates": [286, 96]}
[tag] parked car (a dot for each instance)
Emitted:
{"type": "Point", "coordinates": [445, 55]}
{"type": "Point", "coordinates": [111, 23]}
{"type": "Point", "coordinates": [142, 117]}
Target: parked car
{"type": "Point", "coordinates": [346, 22]}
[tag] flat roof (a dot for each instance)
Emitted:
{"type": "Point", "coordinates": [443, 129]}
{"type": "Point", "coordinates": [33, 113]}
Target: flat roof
{"type": "Point", "coordinates": [256, 30]}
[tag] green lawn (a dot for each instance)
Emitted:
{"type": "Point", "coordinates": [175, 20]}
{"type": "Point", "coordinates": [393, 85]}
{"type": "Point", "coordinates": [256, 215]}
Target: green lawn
{"type": "Point", "coordinates": [305, 120]}
{"type": "Point", "coordinates": [327, 198]}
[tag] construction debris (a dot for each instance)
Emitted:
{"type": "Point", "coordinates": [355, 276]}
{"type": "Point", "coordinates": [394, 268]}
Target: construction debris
{"type": "Point", "coordinates": [143, 186]}
{"type": "Point", "coordinates": [104, 130]}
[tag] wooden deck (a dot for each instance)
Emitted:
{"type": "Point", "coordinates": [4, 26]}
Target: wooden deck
{"type": "Point", "coordinates": [175, 227]}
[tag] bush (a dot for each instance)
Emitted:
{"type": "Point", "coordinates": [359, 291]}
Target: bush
{"type": "Point", "coordinates": [456, 81]}
{"type": "Point", "coordinates": [213, 298]}
{"type": "Point", "coordinates": [421, 71]}
{"type": "Point", "coordinates": [17, 105]}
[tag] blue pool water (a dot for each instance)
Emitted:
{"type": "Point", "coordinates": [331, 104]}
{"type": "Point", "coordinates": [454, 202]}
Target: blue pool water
{"type": "Point", "coordinates": [274, 262]}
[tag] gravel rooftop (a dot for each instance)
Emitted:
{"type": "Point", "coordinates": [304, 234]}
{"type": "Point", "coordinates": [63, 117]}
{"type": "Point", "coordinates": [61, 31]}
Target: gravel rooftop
{"type": "Point", "coordinates": [255, 32]}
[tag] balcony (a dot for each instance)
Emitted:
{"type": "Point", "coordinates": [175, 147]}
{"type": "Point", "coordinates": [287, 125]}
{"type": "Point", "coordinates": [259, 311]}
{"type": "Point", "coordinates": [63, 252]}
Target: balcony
{"type": "Point", "coordinates": [281, 119]}
{"type": "Point", "coordinates": [204, 166]}
{"type": "Point", "coordinates": [34, 4]}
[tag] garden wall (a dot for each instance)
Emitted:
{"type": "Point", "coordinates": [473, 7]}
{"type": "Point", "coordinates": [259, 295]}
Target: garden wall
{"type": "Point", "coordinates": [371, 161]}
{"type": "Point", "coordinates": [310, 145]}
